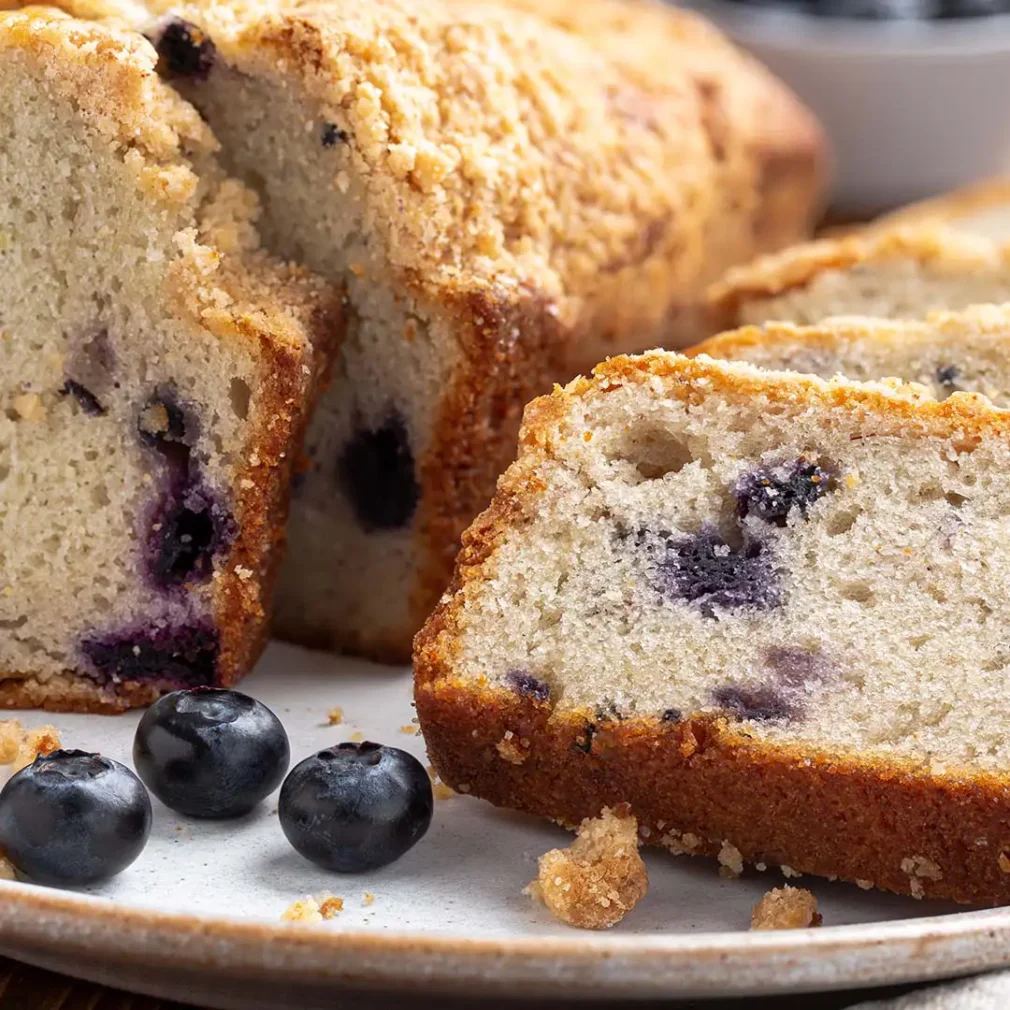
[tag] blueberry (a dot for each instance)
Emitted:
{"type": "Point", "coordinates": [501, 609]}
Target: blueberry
{"type": "Point", "coordinates": [672, 715]}
{"type": "Point", "coordinates": [207, 752]}
{"type": "Point", "coordinates": [189, 527]}
{"type": "Point", "coordinates": [184, 654]}
{"type": "Point", "coordinates": [331, 135]}
{"type": "Point", "coordinates": [760, 703]}
{"type": "Point", "coordinates": [703, 568]}
{"type": "Point", "coordinates": [355, 807]}
{"type": "Point", "coordinates": [376, 472]}
{"type": "Point", "coordinates": [86, 400]}
{"type": "Point", "coordinates": [73, 818]}
{"type": "Point", "coordinates": [170, 429]}
{"type": "Point", "coordinates": [771, 494]}
{"type": "Point", "coordinates": [529, 686]}
{"type": "Point", "coordinates": [185, 51]}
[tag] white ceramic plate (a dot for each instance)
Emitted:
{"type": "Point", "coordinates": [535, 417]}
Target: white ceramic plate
{"type": "Point", "coordinates": [198, 915]}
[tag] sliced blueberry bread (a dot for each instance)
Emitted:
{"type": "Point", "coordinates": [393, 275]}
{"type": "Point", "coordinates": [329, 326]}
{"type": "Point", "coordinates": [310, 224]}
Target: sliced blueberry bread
{"type": "Point", "coordinates": [507, 201]}
{"type": "Point", "coordinates": [765, 610]}
{"type": "Point", "coordinates": [946, 353]}
{"type": "Point", "coordinates": [891, 274]}
{"type": "Point", "coordinates": [157, 372]}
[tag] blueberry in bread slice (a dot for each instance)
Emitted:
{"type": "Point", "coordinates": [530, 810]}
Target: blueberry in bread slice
{"type": "Point", "coordinates": [947, 352]}
{"type": "Point", "coordinates": [508, 197]}
{"type": "Point", "coordinates": [765, 610]}
{"type": "Point", "coordinates": [157, 373]}
{"type": "Point", "coordinates": [890, 274]}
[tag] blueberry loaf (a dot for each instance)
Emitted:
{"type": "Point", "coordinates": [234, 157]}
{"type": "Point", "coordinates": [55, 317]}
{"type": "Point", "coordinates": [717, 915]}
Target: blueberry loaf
{"type": "Point", "coordinates": [765, 610]}
{"type": "Point", "coordinates": [946, 353]}
{"type": "Point", "coordinates": [157, 372]}
{"type": "Point", "coordinates": [506, 200]}
{"type": "Point", "coordinates": [891, 274]}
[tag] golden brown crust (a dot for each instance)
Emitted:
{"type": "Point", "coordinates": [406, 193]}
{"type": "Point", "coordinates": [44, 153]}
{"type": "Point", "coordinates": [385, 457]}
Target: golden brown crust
{"type": "Point", "coordinates": [699, 782]}
{"type": "Point", "coordinates": [796, 267]}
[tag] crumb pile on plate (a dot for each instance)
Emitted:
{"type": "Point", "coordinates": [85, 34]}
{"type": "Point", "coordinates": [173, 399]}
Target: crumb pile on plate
{"type": "Point", "coordinates": [786, 908]}
{"type": "Point", "coordinates": [599, 878]}
{"type": "Point", "coordinates": [763, 609]}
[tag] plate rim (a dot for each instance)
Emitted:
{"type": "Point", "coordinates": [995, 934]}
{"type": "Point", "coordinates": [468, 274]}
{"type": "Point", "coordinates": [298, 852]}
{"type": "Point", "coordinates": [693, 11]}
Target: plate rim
{"type": "Point", "coordinates": [680, 964]}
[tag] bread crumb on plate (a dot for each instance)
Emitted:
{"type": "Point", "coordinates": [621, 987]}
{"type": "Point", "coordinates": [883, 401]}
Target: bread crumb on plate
{"type": "Point", "coordinates": [785, 908]}
{"type": "Point", "coordinates": [335, 716]}
{"type": "Point", "coordinates": [313, 910]}
{"type": "Point", "coordinates": [19, 747]}
{"type": "Point", "coordinates": [599, 878]}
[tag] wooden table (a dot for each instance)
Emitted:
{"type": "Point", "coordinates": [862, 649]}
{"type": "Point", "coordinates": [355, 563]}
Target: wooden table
{"type": "Point", "coordinates": [25, 988]}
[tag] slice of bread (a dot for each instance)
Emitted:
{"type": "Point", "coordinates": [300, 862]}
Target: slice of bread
{"type": "Point", "coordinates": [767, 611]}
{"type": "Point", "coordinates": [508, 195]}
{"type": "Point", "coordinates": [982, 209]}
{"type": "Point", "coordinates": [947, 352]}
{"type": "Point", "coordinates": [896, 274]}
{"type": "Point", "coordinates": [157, 373]}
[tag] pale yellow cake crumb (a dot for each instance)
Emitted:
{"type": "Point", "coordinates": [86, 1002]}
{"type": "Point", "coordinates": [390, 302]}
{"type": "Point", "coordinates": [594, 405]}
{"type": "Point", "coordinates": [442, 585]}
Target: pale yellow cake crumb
{"type": "Point", "coordinates": [785, 908]}
{"type": "Point", "coordinates": [303, 910]}
{"type": "Point", "coordinates": [357, 736]}
{"type": "Point", "coordinates": [20, 747]}
{"type": "Point", "coordinates": [438, 788]}
{"type": "Point", "coordinates": [410, 729]}
{"type": "Point", "coordinates": [730, 861]}
{"type": "Point", "coordinates": [599, 878]}
{"type": "Point", "coordinates": [335, 716]}
{"type": "Point", "coordinates": [368, 899]}
{"type": "Point", "coordinates": [312, 909]}
{"type": "Point", "coordinates": [7, 869]}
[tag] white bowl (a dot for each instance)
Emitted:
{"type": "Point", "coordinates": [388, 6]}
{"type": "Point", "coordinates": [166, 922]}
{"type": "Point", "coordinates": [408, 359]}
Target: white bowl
{"type": "Point", "coordinates": [912, 107]}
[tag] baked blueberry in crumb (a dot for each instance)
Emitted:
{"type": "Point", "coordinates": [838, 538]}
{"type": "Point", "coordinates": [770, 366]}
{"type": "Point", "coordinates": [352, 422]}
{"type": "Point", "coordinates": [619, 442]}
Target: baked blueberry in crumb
{"type": "Point", "coordinates": [947, 378]}
{"type": "Point", "coordinates": [772, 494]}
{"type": "Point", "coordinates": [183, 655]}
{"type": "Point", "coordinates": [528, 686]}
{"type": "Point", "coordinates": [796, 667]}
{"type": "Point", "coordinates": [73, 818]}
{"type": "Point", "coordinates": [704, 569]}
{"type": "Point", "coordinates": [184, 50]}
{"type": "Point", "coordinates": [86, 400]}
{"type": "Point", "coordinates": [672, 715]}
{"type": "Point", "coordinates": [208, 752]}
{"type": "Point", "coordinates": [760, 703]}
{"type": "Point", "coordinates": [189, 527]}
{"type": "Point", "coordinates": [331, 135]}
{"type": "Point", "coordinates": [376, 472]}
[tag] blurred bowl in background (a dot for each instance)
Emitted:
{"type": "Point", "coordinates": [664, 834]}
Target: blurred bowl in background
{"type": "Point", "coordinates": [912, 107]}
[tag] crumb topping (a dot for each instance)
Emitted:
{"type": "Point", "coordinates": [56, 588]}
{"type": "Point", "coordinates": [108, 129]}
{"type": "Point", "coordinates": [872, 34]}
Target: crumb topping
{"type": "Point", "coordinates": [785, 908]}
{"type": "Point", "coordinates": [730, 860]}
{"type": "Point", "coordinates": [310, 909]}
{"type": "Point", "coordinates": [335, 716]}
{"type": "Point", "coordinates": [599, 878]}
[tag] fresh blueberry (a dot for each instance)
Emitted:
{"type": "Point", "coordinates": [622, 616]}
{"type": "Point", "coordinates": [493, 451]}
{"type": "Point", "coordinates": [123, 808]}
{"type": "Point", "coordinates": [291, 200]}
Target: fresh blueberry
{"type": "Point", "coordinates": [86, 400]}
{"type": "Point", "coordinates": [207, 752]}
{"type": "Point", "coordinates": [355, 807]}
{"type": "Point", "coordinates": [185, 51]}
{"type": "Point", "coordinates": [771, 494]}
{"type": "Point", "coordinates": [72, 818]}
{"type": "Point", "coordinates": [376, 472]}
{"type": "Point", "coordinates": [704, 569]}
{"type": "Point", "coordinates": [184, 654]}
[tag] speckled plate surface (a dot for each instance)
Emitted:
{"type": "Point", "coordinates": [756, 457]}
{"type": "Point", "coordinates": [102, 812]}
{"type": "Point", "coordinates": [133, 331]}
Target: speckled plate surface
{"type": "Point", "coordinates": [198, 915]}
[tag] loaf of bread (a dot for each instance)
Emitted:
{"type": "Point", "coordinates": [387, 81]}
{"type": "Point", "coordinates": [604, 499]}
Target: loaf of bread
{"type": "Point", "coordinates": [982, 209]}
{"type": "Point", "coordinates": [891, 274]}
{"type": "Point", "coordinates": [508, 195]}
{"type": "Point", "coordinates": [766, 611]}
{"type": "Point", "coordinates": [157, 371]}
